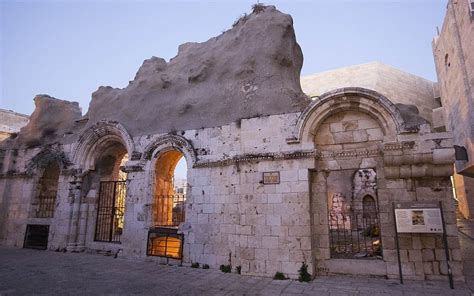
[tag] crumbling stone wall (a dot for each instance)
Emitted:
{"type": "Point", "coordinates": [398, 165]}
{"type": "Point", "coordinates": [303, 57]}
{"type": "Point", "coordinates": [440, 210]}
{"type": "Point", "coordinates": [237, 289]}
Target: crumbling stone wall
{"type": "Point", "coordinates": [232, 217]}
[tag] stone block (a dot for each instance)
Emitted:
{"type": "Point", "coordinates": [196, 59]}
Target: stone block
{"type": "Point", "coordinates": [270, 242]}
{"type": "Point", "coordinates": [262, 254]}
{"type": "Point", "coordinates": [427, 255]}
{"type": "Point", "coordinates": [415, 256]}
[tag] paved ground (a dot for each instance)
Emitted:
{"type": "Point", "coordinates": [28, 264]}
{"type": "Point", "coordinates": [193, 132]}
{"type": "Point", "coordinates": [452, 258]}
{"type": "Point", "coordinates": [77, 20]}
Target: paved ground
{"type": "Point", "coordinates": [24, 272]}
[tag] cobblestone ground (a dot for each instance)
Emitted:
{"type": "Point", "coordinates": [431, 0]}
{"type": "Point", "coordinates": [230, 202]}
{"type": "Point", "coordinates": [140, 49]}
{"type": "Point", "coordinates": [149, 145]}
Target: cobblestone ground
{"type": "Point", "coordinates": [25, 271]}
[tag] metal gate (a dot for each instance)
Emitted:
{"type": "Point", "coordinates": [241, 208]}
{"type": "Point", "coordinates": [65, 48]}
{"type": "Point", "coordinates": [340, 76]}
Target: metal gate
{"type": "Point", "coordinates": [110, 211]}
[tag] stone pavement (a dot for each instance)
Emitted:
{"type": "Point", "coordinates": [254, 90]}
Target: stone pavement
{"type": "Point", "coordinates": [24, 272]}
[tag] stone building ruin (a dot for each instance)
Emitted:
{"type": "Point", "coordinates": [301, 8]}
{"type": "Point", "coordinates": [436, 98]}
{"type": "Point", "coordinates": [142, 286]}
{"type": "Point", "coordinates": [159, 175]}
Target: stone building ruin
{"type": "Point", "coordinates": [234, 109]}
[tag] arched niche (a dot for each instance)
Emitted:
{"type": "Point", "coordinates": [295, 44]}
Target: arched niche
{"type": "Point", "coordinates": [45, 201]}
{"type": "Point", "coordinates": [351, 99]}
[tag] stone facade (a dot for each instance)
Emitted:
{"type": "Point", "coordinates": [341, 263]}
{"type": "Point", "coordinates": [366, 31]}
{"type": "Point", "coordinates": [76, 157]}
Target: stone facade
{"type": "Point", "coordinates": [453, 51]}
{"type": "Point", "coordinates": [230, 213]}
{"type": "Point", "coordinates": [346, 146]}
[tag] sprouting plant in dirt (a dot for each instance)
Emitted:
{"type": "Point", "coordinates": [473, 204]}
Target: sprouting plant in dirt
{"type": "Point", "coordinates": [225, 268]}
{"type": "Point", "coordinates": [305, 276]}
{"type": "Point", "coordinates": [279, 276]}
{"type": "Point", "coordinates": [258, 7]}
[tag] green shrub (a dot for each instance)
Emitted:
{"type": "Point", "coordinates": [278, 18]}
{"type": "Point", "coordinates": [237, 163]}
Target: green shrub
{"type": "Point", "coordinates": [279, 276]}
{"type": "Point", "coordinates": [205, 266]}
{"type": "Point", "coordinates": [238, 269]}
{"type": "Point", "coordinates": [304, 274]}
{"type": "Point", "coordinates": [195, 265]}
{"type": "Point", "coordinates": [225, 268]}
{"type": "Point", "coordinates": [258, 7]}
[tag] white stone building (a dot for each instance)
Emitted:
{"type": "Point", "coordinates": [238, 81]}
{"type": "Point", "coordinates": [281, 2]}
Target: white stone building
{"type": "Point", "coordinates": [266, 191]}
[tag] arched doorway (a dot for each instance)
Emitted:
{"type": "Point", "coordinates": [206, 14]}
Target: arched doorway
{"type": "Point", "coordinates": [169, 205]}
{"type": "Point", "coordinates": [111, 183]}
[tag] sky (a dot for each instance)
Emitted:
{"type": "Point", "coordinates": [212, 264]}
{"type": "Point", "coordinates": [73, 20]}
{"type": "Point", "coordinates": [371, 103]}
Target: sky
{"type": "Point", "coordinates": [67, 49]}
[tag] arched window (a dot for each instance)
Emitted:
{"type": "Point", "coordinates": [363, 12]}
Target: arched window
{"type": "Point", "coordinates": [369, 208]}
{"type": "Point", "coordinates": [48, 188]}
{"type": "Point", "coordinates": [170, 189]}
{"type": "Point", "coordinates": [169, 205]}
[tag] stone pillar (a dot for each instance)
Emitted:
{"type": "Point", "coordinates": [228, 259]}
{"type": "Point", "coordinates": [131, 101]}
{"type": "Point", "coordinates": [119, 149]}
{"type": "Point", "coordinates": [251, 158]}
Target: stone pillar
{"type": "Point", "coordinates": [82, 225]}
{"type": "Point", "coordinates": [137, 211]}
{"type": "Point", "coordinates": [75, 204]}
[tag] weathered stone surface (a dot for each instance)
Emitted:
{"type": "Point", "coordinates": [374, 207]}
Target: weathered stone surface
{"type": "Point", "coordinates": [250, 70]}
{"type": "Point", "coordinates": [49, 122]}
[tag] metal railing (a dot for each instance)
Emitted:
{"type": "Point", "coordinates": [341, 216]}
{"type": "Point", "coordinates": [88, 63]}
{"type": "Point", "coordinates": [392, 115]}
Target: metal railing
{"type": "Point", "coordinates": [46, 207]}
{"type": "Point", "coordinates": [165, 242]}
{"type": "Point", "coordinates": [169, 210]}
{"type": "Point", "coordinates": [354, 236]}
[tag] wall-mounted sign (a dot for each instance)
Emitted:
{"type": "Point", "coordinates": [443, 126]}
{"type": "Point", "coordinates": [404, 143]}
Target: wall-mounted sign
{"type": "Point", "coordinates": [418, 217]}
{"type": "Point", "coordinates": [271, 178]}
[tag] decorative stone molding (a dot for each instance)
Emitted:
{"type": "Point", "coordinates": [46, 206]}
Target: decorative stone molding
{"type": "Point", "coordinates": [258, 157]}
{"type": "Point", "coordinates": [46, 156]}
{"type": "Point", "coordinates": [349, 98]}
{"type": "Point", "coordinates": [99, 135]}
{"type": "Point", "coordinates": [170, 141]}
{"type": "Point", "coordinates": [134, 167]}
{"type": "Point", "coordinates": [349, 153]}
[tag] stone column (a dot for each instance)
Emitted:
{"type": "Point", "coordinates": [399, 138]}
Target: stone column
{"type": "Point", "coordinates": [137, 211]}
{"type": "Point", "coordinates": [75, 204]}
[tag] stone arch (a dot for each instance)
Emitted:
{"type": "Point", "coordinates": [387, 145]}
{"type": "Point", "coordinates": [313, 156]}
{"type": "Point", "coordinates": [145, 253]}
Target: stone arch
{"type": "Point", "coordinates": [98, 138]}
{"type": "Point", "coordinates": [161, 157]}
{"type": "Point", "coordinates": [170, 142]}
{"type": "Point", "coordinates": [44, 158]}
{"type": "Point", "coordinates": [356, 99]}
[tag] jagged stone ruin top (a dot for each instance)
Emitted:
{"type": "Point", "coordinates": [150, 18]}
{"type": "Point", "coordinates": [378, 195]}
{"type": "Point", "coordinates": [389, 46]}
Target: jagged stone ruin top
{"type": "Point", "coordinates": [49, 123]}
{"type": "Point", "coordinates": [253, 69]}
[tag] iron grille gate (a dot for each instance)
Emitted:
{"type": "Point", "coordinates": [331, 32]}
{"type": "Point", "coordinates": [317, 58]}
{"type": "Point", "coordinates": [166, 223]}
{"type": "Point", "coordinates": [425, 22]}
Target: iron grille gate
{"type": "Point", "coordinates": [110, 211]}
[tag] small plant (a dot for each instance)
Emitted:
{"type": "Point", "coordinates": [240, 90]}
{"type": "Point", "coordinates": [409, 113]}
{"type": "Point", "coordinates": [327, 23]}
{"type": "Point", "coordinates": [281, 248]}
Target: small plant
{"type": "Point", "coordinates": [258, 7]}
{"type": "Point", "coordinates": [225, 268]}
{"type": "Point", "coordinates": [280, 276]}
{"type": "Point", "coordinates": [238, 269]}
{"type": "Point", "coordinates": [304, 274]}
{"type": "Point", "coordinates": [242, 19]}
{"type": "Point", "coordinates": [372, 231]}
{"type": "Point", "coordinates": [195, 265]}
{"type": "Point", "coordinates": [205, 266]}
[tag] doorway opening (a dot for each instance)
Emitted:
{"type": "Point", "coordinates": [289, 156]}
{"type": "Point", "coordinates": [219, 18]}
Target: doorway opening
{"type": "Point", "coordinates": [112, 192]}
{"type": "Point", "coordinates": [169, 206]}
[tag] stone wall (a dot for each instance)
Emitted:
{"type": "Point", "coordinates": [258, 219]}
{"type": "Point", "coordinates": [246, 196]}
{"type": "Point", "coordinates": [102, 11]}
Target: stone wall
{"type": "Point", "coordinates": [453, 52]}
{"type": "Point", "coordinates": [231, 216]}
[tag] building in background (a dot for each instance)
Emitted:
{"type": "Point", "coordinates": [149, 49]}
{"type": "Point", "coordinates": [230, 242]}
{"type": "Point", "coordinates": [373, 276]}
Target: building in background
{"type": "Point", "coordinates": [453, 51]}
{"type": "Point", "coordinates": [11, 122]}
